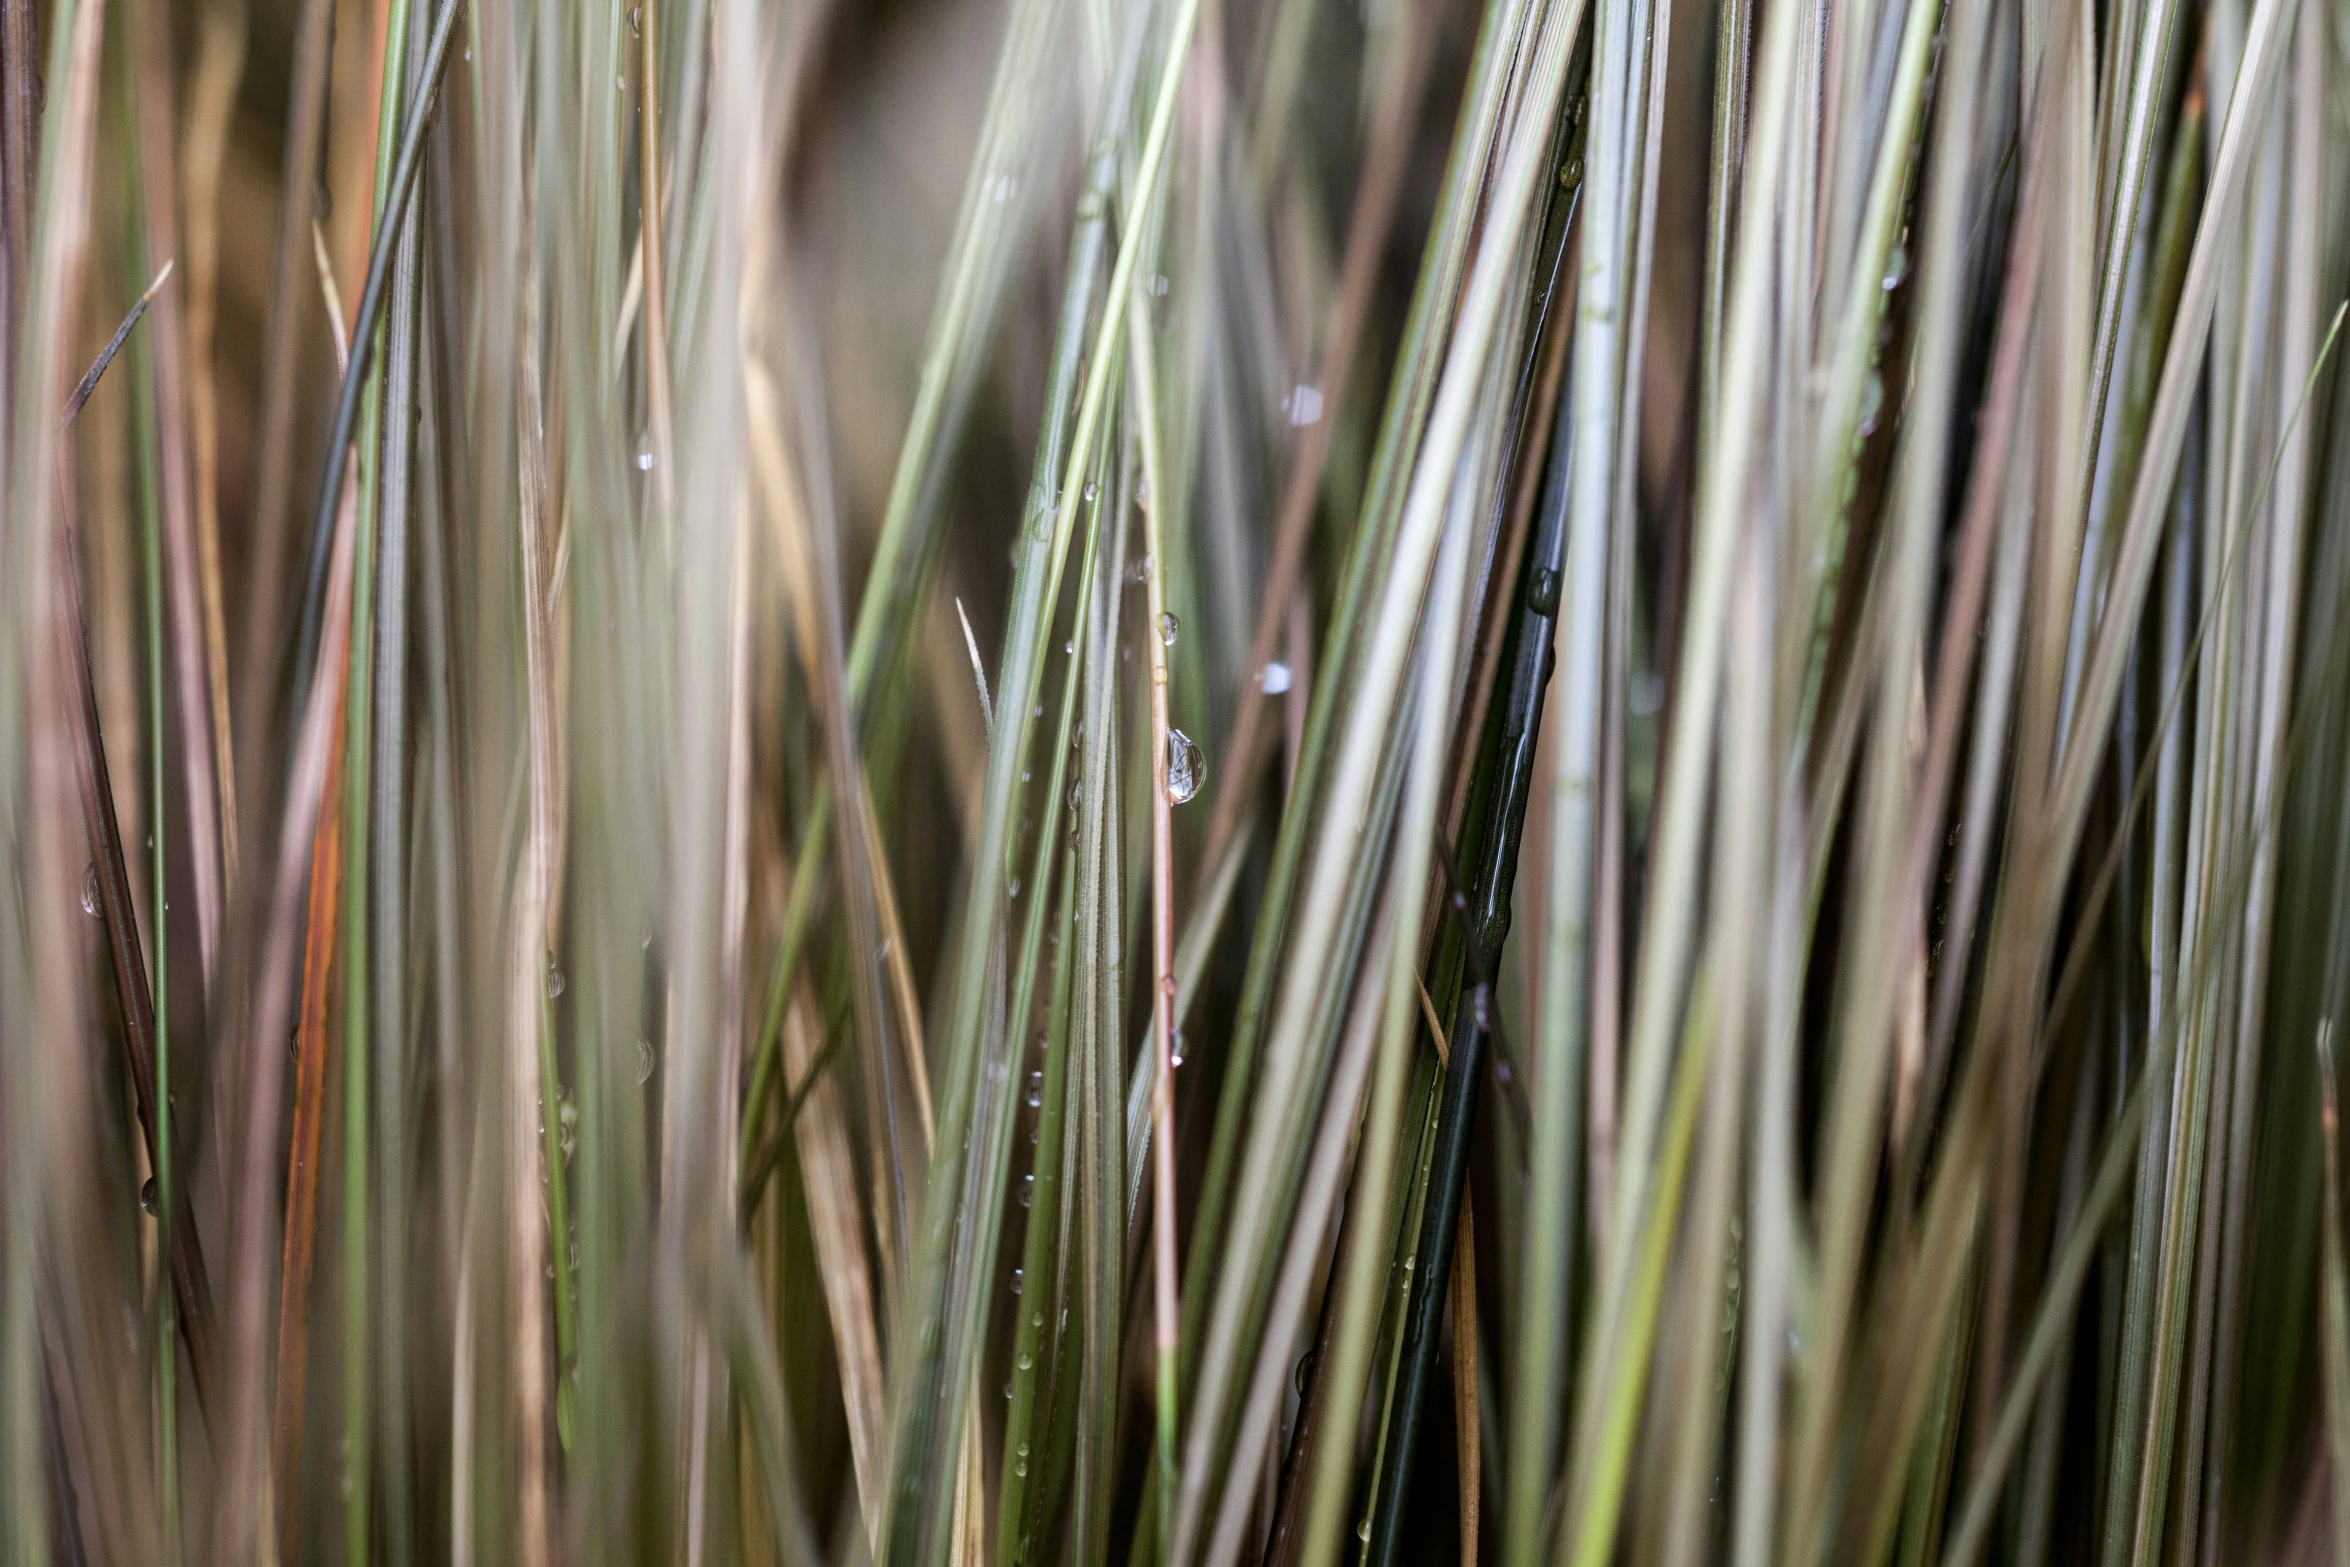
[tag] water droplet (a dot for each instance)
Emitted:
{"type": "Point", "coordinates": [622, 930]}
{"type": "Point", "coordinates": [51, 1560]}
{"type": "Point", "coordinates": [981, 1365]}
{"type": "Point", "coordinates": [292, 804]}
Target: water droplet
{"type": "Point", "coordinates": [1005, 187]}
{"type": "Point", "coordinates": [1175, 1050]}
{"type": "Point", "coordinates": [1035, 1089]}
{"type": "Point", "coordinates": [1092, 490]}
{"type": "Point", "coordinates": [1273, 679]}
{"type": "Point", "coordinates": [1185, 767]}
{"type": "Point", "coordinates": [636, 18]}
{"type": "Point", "coordinates": [1159, 286]}
{"type": "Point", "coordinates": [1026, 1362]}
{"type": "Point", "coordinates": [1027, 1189]}
{"type": "Point", "coordinates": [1016, 1280]}
{"type": "Point", "coordinates": [1069, 649]}
{"type": "Point", "coordinates": [1896, 268]}
{"type": "Point", "coordinates": [554, 978]}
{"type": "Point", "coordinates": [644, 454]}
{"type": "Point", "coordinates": [1142, 498]}
{"type": "Point", "coordinates": [1363, 1531]}
{"type": "Point", "coordinates": [1076, 795]}
{"type": "Point", "coordinates": [1542, 593]}
{"type": "Point", "coordinates": [567, 1128]}
{"type": "Point", "coordinates": [1020, 1468]}
{"type": "Point", "coordinates": [1303, 405]}
{"type": "Point", "coordinates": [645, 1061]}
{"type": "Point", "coordinates": [1015, 887]}
{"type": "Point", "coordinates": [90, 890]}
{"type": "Point", "coordinates": [147, 1196]}
{"type": "Point", "coordinates": [1168, 626]}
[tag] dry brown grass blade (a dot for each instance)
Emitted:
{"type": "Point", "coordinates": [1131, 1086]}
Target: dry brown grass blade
{"type": "Point", "coordinates": [150, 44]}
{"type": "Point", "coordinates": [311, 1043]}
{"type": "Point", "coordinates": [212, 92]}
{"type": "Point", "coordinates": [110, 885]}
{"type": "Point", "coordinates": [266, 525]}
{"type": "Point", "coordinates": [317, 758]}
{"type": "Point", "coordinates": [130, 978]}
{"type": "Point", "coordinates": [820, 1135]}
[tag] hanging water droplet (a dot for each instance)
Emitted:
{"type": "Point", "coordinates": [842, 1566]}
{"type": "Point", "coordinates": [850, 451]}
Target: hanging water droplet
{"type": "Point", "coordinates": [1027, 1189]}
{"type": "Point", "coordinates": [1035, 1089]}
{"type": "Point", "coordinates": [1016, 1280]}
{"type": "Point", "coordinates": [1896, 268]}
{"type": "Point", "coordinates": [645, 1061]}
{"type": "Point", "coordinates": [567, 1128]}
{"type": "Point", "coordinates": [1363, 1531]}
{"type": "Point", "coordinates": [1168, 626]}
{"type": "Point", "coordinates": [1185, 767]}
{"type": "Point", "coordinates": [1140, 571]}
{"type": "Point", "coordinates": [147, 1196]}
{"type": "Point", "coordinates": [1091, 491]}
{"type": "Point", "coordinates": [1175, 1050]}
{"type": "Point", "coordinates": [554, 978]}
{"type": "Point", "coordinates": [1076, 795]}
{"type": "Point", "coordinates": [90, 890]}
{"type": "Point", "coordinates": [1273, 679]}
{"type": "Point", "coordinates": [1069, 649]}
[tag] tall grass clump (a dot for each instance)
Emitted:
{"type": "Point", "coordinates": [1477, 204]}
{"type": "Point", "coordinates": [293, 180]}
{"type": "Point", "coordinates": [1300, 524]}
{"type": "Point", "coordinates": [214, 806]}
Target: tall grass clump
{"type": "Point", "coordinates": [970, 783]}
